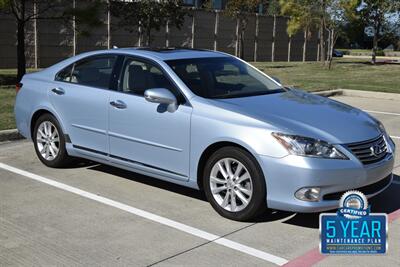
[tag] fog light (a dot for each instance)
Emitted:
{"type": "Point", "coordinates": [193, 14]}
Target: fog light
{"type": "Point", "coordinates": [308, 194]}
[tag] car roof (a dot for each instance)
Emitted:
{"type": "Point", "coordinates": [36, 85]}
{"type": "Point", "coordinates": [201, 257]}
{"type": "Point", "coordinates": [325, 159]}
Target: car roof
{"type": "Point", "coordinates": [161, 54]}
{"type": "Point", "coordinates": [171, 53]}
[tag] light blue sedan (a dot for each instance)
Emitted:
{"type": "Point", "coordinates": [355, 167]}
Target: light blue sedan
{"type": "Point", "coordinates": [205, 120]}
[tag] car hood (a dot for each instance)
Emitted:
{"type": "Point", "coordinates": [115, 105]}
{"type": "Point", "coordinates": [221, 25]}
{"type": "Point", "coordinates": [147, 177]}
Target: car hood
{"type": "Point", "coordinates": [301, 113]}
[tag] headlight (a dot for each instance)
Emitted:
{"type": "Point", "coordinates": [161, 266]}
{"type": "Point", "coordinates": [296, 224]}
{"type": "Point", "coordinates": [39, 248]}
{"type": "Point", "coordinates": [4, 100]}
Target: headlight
{"type": "Point", "coordinates": [308, 147]}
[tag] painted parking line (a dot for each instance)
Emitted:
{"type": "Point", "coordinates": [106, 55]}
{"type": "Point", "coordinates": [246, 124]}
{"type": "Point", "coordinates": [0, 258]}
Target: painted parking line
{"type": "Point", "coordinates": [382, 112]}
{"type": "Point", "coordinates": [394, 216]}
{"type": "Point", "coordinates": [153, 217]}
{"type": "Point", "coordinates": [308, 259]}
{"type": "Point", "coordinates": [395, 137]}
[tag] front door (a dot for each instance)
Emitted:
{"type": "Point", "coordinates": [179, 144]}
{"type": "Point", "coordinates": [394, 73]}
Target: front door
{"type": "Point", "coordinates": [143, 133]}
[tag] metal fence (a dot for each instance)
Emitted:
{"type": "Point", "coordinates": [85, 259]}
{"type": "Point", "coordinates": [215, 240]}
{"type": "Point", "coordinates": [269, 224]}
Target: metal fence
{"type": "Point", "coordinates": [266, 39]}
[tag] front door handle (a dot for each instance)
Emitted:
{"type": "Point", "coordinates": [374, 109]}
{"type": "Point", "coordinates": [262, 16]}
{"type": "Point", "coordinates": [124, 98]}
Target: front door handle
{"type": "Point", "coordinates": [118, 104]}
{"type": "Point", "coordinates": [58, 91]}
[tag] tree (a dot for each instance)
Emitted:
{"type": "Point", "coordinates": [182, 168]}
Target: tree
{"type": "Point", "coordinates": [25, 11]}
{"type": "Point", "coordinates": [353, 35]}
{"type": "Point", "coordinates": [146, 16]}
{"type": "Point", "coordinates": [338, 14]}
{"type": "Point", "coordinates": [380, 16]}
{"type": "Point", "coordinates": [273, 8]}
{"type": "Point", "coordinates": [328, 15]}
{"type": "Point", "coordinates": [239, 9]}
{"type": "Point", "coordinates": [304, 15]}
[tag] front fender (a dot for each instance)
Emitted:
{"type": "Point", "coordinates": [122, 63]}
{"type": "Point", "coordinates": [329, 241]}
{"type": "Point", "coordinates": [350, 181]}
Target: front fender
{"type": "Point", "coordinates": [208, 130]}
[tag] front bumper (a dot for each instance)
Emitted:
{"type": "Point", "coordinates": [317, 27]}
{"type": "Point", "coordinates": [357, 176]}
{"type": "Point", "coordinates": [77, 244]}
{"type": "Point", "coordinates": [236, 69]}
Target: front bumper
{"type": "Point", "coordinates": [284, 176]}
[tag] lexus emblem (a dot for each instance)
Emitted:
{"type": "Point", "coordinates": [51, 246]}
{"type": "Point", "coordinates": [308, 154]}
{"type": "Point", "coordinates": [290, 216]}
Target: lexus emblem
{"type": "Point", "coordinates": [376, 150]}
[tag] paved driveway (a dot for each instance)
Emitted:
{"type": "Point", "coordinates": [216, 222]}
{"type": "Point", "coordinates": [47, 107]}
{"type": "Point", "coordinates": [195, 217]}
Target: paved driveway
{"type": "Point", "coordinates": [99, 215]}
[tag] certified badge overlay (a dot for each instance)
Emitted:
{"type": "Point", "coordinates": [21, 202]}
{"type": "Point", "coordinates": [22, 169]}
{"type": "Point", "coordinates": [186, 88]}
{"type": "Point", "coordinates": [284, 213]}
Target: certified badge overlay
{"type": "Point", "coordinates": [353, 229]}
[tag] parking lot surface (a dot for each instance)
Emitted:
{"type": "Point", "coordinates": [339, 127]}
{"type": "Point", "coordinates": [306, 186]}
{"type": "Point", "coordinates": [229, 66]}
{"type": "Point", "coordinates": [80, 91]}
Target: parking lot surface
{"type": "Point", "coordinates": [98, 215]}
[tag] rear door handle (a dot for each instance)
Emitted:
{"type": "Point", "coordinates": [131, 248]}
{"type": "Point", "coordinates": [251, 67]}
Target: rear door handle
{"type": "Point", "coordinates": [58, 91]}
{"type": "Point", "coordinates": [118, 104]}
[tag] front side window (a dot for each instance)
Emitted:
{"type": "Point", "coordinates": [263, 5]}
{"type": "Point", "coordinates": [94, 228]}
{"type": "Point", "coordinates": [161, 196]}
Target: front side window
{"type": "Point", "coordinates": [95, 72]}
{"type": "Point", "coordinates": [65, 74]}
{"type": "Point", "coordinates": [138, 76]}
{"type": "Point", "coordinates": [222, 77]}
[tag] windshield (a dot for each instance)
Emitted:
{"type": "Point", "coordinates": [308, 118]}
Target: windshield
{"type": "Point", "coordinates": [222, 77]}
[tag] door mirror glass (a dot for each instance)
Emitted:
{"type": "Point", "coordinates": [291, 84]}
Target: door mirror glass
{"type": "Point", "coordinates": [162, 96]}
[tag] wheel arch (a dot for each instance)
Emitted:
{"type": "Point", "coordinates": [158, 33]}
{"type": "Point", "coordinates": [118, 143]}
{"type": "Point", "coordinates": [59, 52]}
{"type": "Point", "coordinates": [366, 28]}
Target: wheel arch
{"type": "Point", "coordinates": [36, 115]}
{"type": "Point", "coordinates": [211, 149]}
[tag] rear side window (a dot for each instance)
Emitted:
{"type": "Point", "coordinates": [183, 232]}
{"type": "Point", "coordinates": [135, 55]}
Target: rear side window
{"type": "Point", "coordinates": [65, 74]}
{"type": "Point", "coordinates": [94, 72]}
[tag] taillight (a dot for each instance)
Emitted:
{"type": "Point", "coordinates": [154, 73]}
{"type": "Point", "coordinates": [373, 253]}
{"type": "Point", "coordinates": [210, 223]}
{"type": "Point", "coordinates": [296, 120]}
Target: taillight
{"type": "Point", "coordinates": [18, 87]}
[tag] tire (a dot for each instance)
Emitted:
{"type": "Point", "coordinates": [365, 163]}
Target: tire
{"type": "Point", "coordinates": [43, 137]}
{"type": "Point", "coordinates": [249, 194]}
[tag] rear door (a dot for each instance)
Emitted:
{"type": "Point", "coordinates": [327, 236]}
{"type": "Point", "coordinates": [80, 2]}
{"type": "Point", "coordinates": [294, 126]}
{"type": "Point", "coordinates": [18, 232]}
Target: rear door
{"type": "Point", "coordinates": [80, 97]}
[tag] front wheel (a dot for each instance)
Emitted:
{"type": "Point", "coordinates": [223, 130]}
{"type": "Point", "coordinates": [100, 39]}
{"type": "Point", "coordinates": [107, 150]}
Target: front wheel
{"type": "Point", "coordinates": [234, 184]}
{"type": "Point", "coordinates": [49, 142]}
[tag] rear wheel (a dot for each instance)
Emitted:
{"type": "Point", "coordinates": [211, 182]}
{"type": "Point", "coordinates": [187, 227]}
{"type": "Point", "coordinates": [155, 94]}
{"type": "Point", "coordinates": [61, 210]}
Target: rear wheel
{"type": "Point", "coordinates": [49, 142]}
{"type": "Point", "coordinates": [234, 184]}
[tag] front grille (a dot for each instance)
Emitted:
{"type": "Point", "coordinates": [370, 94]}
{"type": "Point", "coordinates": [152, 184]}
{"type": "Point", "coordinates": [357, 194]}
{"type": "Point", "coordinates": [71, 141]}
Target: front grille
{"type": "Point", "coordinates": [367, 190]}
{"type": "Point", "coordinates": [370, 151]}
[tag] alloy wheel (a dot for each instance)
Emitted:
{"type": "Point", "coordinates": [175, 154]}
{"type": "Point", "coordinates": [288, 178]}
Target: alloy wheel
{"type": "Point", "coordinates": [231, 184]}
{"type": "Point", "coordinates": [48, 140]}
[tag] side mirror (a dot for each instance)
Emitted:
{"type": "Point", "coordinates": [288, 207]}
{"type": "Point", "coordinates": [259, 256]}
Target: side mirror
{"type": "Point", "coordinates": [276, 79]}
{"type": "Point", "coordinates": [162, 96]}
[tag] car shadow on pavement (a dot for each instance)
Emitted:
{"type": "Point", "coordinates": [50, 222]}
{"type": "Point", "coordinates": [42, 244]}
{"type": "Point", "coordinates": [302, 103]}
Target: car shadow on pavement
{"type": "Point", "coordinates": [268, 216]}
{"type": "Point", "coordinates": [77, 163]}
{"type": "Point", "coordinates": [133, 176]}
{"type": "Point", "coordinates": [386, 202]}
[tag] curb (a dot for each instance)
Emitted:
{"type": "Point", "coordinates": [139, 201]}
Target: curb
{"type": "Point", "coordinates": [359, 93]}
{"type": "Point", "coordinates": [371, 94]}
{"type": "Point", "coordinates": [10, 135]}
{"type": "Point", "coordinates": [329, 93]}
